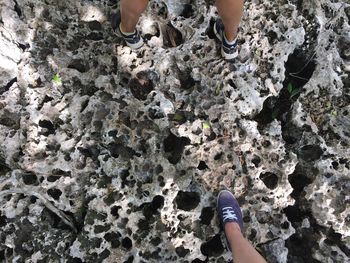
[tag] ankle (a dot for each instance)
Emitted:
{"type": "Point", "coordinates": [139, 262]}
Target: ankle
{"type": "Point", "coordinates": [232, 228]}
{"type": "Point", "coordinates": [125, 31]}
{"type": "Point", "coordinates": [230, 37]}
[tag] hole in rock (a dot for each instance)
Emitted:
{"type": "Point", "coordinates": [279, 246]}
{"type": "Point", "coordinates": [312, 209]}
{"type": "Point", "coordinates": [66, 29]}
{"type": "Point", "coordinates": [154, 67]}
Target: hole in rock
{"type": "Point", "coordinates": [213, 247]}
{"type": "Point", "coordinates": [302, 253]}
{"type": "Point", "coordinates": [52, 219]}
{"type": "Point", "coordinates": [18, 9]}
{"type": "Point", "coordinates": [79, 65]}
{"type": "Point", "coordinates": [48, 126]}
{"type": "Point", "coordinates": [126, 243]}
{"type": "Point", "coordinates": [30, 178]}
{"type": "Point", "coordinates": [187, 200]}
{"type": "Point", "coordinates": [298, 182]}
{"type": "Point", "coordinates": [298, 70]}
{"type": "Point", "coordinates": [181, 251]}
{"type": "Point", "coordinates": [186, 80]}
{"type": "Point", "coordinates": [3, 220]}
{"type": "Point", "coordinates": [310, 153]}
{"type": "Point", "coordinates": [187, 11]}
{"type": "Point", "coordinates": [54, 193]}
{"type": "Point", "coordinates": [9, 85]}
{"type": "Point", "coordinates": [202, 166]}
{"type": "Point", "coordinates": [141, 85]}
{"type": "Point", "coordinates": [294, 213]}
{"type": "Point", "coordinates": [291, 133]}
{"type": "Point", "coordinates": [157, 202]}
{"type": "Point", "coordinates": [74, 260]}
{"type": "Point", "coordinates": [334, 238]}
{"type": "Point", "coordinates": [172, 37]}
{"type": "Point", "coordinates": [210, 32]}
{"type": "Point", "coordinates": [269, 179]}
{"type": "Point", "coordinates": [118, 149]}
{"type": "Point", "coordinates": [174, 147]}
{"type": "Point", "coordinates": [207, 215]}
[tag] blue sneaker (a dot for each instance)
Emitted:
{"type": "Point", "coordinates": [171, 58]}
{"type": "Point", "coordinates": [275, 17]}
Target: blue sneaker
{"type": "Point", "coordinates": [228, 51]}
{"type": "Point", "coordinates": [133, 40]}
{"type": "Point", "coordinates": [228, 210]}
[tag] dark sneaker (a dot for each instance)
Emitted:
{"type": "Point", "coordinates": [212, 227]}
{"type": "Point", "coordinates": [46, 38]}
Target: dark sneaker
{"type": "Point", "coordinates": [228, 210]}
{"type": "Point", "coordinates": [227, 51]}
{"type": "Point", "coordinates": [134, 40]}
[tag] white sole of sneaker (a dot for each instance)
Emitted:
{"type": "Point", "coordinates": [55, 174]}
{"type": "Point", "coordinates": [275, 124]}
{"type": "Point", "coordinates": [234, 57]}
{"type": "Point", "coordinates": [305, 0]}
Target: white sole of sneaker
{"type": "Point", "coordinates": [137, 45]}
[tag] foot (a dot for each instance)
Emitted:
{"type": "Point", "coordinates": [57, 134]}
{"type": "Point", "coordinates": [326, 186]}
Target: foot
{"type": "Point", "coordinates": [229, 211]}
{"type": "Point", "coordinates": [133, 39]}
{"type": "Point", "coordinates": [228, 49]}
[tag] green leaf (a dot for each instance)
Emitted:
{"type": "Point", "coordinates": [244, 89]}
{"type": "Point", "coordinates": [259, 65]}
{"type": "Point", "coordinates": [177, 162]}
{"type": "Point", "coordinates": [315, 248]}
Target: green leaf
{"type": "Point", "coordinates": [178, 117]}
{"type": "Point", "coordinates": [294, 93]}
{"type": "Point", "coordinates": [206, 125]}
{"type": "Point", "coordinates": [217, 90]}
{"type": "Point", "coordinates": [274, 114]}
{"type": "Point", "coordinates": [57, 79]}
{"type": "Point", "coordinates": [290, 87]}
{"type": "Point", "coordinates": [334, 113]}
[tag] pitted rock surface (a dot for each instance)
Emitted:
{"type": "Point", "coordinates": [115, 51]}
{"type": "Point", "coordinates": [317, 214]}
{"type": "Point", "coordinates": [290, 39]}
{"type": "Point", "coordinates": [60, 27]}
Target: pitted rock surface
{"type": "Point", "coordinates": [114, 155]}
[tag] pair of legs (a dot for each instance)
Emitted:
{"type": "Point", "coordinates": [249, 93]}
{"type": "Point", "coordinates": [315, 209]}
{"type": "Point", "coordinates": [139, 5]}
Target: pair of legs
{"type": "Point", "coordinates": [230, 216]}
{"type": "Point", "coordinates": [230, 12]}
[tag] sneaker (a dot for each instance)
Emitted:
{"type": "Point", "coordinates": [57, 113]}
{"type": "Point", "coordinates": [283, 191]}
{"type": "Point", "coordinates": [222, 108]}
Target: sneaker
{"type": "Point", "coordinates": [229, 211]}
{"type": "Point", "coordinates": [228, 51]}
{"type": "Point", "coordinates": [133, 40]}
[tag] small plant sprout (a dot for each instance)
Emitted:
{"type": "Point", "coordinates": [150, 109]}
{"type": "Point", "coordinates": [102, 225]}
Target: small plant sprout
{"type": "Point", "coordinates": [56, 79]}
{"type": "Point", "coordinates": [274, 114]}
{"type": "Point", "coordinates": [292, 90]}
{"type": "Point", "coordinates": [178, 117]}
{"type": "Point", "coordinates": [206, 125]}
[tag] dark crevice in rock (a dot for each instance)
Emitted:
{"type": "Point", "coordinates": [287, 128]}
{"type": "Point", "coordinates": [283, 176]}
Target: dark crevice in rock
{"type": "Point", "coordinates": [187, 11]}
{"type": "Point", "coordinates": [47, 127]}
{"type": "Point", "coordinates": [187, 200]}
{"type": "Point", "coordinates": [207, 215]}
{"type": "Point", "coordinates": [269, 179]}
{"type": "Point", "coordinates": [126, 243]}
{"type": "Point", "coordinates": [299, 70]}
{"type": "Point", "coordinates": [79, 64]}
{"type": "Point", "coordinates": [8, 85]}
{"type": "Point", "coordinates": [142, 85]}
{"type": "Point", "coordinates": [118, 149]}
{"type": "Point", "coordinates": [334, 238]}
{"type": "Point", "coordinates": [17, 9]}
{"type": "Point", "coordinates": [310, 153]}
{"type": "Point", "coordinates": [54, 193]}
{"type": "Point", "coordinates": [172, 37]}
{"type": "Point", "coordinates": [202, 166]}
{"type": "Point", "coordinates": [213, 247]}
{"type": "Point", "coordinates": [181, 251]}
{"type": "Point", "coordinates": [174, 147]}
{"type": "Point", "coordinates": [30, 179]}
{"type": "Point", "coordinates": [298, 181]}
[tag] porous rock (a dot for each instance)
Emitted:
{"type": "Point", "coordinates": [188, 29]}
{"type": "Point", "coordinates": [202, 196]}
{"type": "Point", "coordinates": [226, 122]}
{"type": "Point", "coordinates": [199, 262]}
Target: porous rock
{"type": "Point", "coordinates": [115, 155]}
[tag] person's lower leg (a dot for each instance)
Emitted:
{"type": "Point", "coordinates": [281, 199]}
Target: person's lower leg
{"type": "Point", "coordinates": [231, 12]}
{"type": "Point", "coordinates": [131, 11]}
{"type": "Point", "coordinates": [242, 250]}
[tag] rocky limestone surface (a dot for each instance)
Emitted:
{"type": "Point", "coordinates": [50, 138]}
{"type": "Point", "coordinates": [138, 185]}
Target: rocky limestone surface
{"type": "Point", "coordinates": [114, 155]}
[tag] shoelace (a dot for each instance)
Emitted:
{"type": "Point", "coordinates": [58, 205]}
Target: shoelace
{"type": "Point", "coordinates": [228, 214]}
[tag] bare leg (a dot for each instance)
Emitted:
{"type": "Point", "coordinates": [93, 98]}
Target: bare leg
{"type": "Point", "coordinates": [131, 11]}
{"type": "Point", "coordinates": [231, 12]}
{"type": "Point", "coordinates": [242, 250]}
